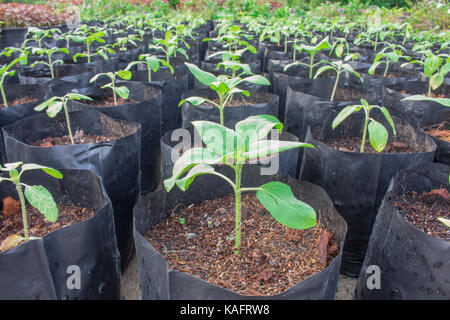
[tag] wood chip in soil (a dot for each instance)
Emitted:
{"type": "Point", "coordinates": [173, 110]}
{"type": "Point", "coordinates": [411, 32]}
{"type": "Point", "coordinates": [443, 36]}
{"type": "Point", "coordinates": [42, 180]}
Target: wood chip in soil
{"type": "Point", "coordinates": [38, 226]}
{"type": "Point", "coordinates": [79, 137]}
{"type": "Point", "coordinates": [440, 131]}
{"type": "Point", "coordinates": [353, 144]}
{"type": "Point", "coordinates": [199, 240]}
{"type": "Point", "coordinates": [422, 210]}
{"type": "Point", "coordinates": [19, 101]}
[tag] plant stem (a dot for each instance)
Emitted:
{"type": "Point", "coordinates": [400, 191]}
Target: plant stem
{"type": "Point", "coordinates": [88, 52]}
{"type": "Point", "coordinates": [237, 192]}
{"type": "Point", "coordinates": [51, 66]}
{"type": "Point", "coordinates": [311, 65]}
{"type": "Point", "coordinates": [114, 91]}
{"type": "Point", "coordinates": [24, 210]}
{"type": "Point", "coordinates": [149, 74]}
{"type": "Point", "coordinates": [366, 123]}
{"type": "Point", "coordinates": [68, 121]}
{"type": "Point", "coordinates": [387, 67]}
{"type": "Point", "coordinates": [5, 103]}
{"type": "Point", "coordinates": [336, 83]}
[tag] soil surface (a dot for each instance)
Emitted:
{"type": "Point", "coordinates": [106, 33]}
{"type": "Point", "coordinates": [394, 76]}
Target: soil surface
{"type": "Point", "coordinates": [79, 137]}
{"type": "Point", "coordinates": [353, 144]}
{"type": "Point", "coordinates": [440, 131]}
{"type": "Point", "coordinates": [241, 100]}
{"type": "Point", "coordinates": [200, 240]}
{"type": "Point", "coordinates": [19, 101]}
{"type": "Point", "coordinates": [348, 94]}
{"type": "Point", "coordinates": [108, 102]}
{"type": "Point", "coordinates": [422, 210]}
{"type": "Point", "coordinates": [38, 226]}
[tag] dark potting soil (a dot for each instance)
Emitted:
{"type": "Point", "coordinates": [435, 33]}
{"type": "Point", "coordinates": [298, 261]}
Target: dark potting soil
{"type": "Point", "coordinates": [348, 94]}
{"type": "Point", "coordinates": [199, 240]}
{"type": "Point", "coordinates": [422, 210]}
{"type": "Point", "coordinates": [440, 131]}
{"type": "Point", "coordinates": [38, 226]}
{"type": "Point", "coordinates": [79, 137]}
{"type": "Point", "coordinates": [242, 100]}
{"type": "Point", "coordinates": [109, 102]}
{"type": "Point", "coordinates": [19, 101]}
{"type": "Point", "coordinates": [353, 144]}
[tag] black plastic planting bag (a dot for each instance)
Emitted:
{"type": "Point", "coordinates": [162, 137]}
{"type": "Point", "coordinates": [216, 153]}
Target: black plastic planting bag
{"type": "Point", "coordinates": [145, 111]}
{"type": "Point", "coordinates": [12, 37]}
{"type": "Point", "coordinates": [413, 264]}
{"type": "Point", "coordinates": [357, 182]}
{"type": "Point", "coordinates": [74, 73]}
{"type": "Point", "coordinates": [40, 269]}
{"type": "Point", "coordinates": [173, 143]}
{"type": "Point", "coordinates": [13, 113]}
{"type": "Point", "coordinates": [116, 162]}
{"type": "Point", "coordinates": [231, 114]}
{"type": "Point", "coordinates": [420, 113]}
{"type": "Point", "coordinates": [158, 282]}
{"type": "Point", "coordinates": [172, 87]}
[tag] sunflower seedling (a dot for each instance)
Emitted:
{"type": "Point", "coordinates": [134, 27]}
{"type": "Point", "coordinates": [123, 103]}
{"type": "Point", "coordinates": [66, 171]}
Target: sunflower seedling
{"type": "Point", "coordinates": [122, 91]}
{"type": "Point", "coordinates": [4, 72]}
{"type": "Point", "coordinates": [151, 62]}
{"type": "Point", "coordinates": [378, 135]}
{"type": "Point", "coordinates": [233, 148]}
{"type": "Point", "coordinates": [38, 196]}
{"type": "Point", "coordinates": [50, 63]}
{"type": "Point", "coordinates": [55, 104]}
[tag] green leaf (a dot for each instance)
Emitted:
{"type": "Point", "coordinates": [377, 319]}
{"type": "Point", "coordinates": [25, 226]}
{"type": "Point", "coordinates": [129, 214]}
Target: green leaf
{"type": "Point", "coordinates": [199, 169]}
{"type": "Point", "coordinates": [189, 159]}
{"type": "Point", "coordinates": [431, 65]}
{"type": "Point", "coordinates": [345, 112]}
{"type": "Point", "coordinates": [443, 101]}
{"type": "Point", "coordinates": [281, 203]}
{"type": "Point", "coordinates": [388, 118]}
{"type": "Point", "coordinates": [124, 74]}
{"type": "Point", "coordinates": [203, 77]}
{"type": "Point", "coordinates": [123, 92]}
{"type": "Point", "coordinates": [265, 148]}
{"type": "Point", "coordinates": [219, 139]}
{"type": "Point", "coordinates": [378, 135]}
{"type": "Point", "coordinates": [53, 172]}
{"type": "Point", "coordinates": [257, 79]}
{"type": "Point", "coordinates": [40, 198]}
{"type": "Point", "coordinates": [255, 128]}
{"type": "Point", "coordinates": [436, 80]}
{"type": "Point", "coordinates": [77, 96]}
{"type": "Point", "coordinates": [54, 108]}
{"type": "Point", "coordinates": [322, 70]}
{"type": "Point", "coordinates": [195, 101]}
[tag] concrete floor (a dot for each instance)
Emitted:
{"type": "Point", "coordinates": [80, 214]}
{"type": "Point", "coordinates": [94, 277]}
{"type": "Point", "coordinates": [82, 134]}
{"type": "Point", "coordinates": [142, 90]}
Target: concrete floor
{"type": "Point", "coordinates": [131, 286]}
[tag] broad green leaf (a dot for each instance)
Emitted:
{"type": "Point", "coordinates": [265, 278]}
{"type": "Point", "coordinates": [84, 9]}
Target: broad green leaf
{"type": "Point", "coordinates": [345, 112]}
{"type": "Point", "coordinates": [436, 80]}
{"type": "Point", "coordinates": [123, 92]}
{"type": "Point", "coordinates": [40, 198]}
{"type": "Point", "coordinates": [265, 148]}
{"type": "Point", "coordinates": [431, 65]}
{"type": "Point", "coordinates": [77, 96]}
{"type": "Point", "coordinates": [189, 159]}
{"type": "Point", "coordinates": [54, 108]}
{"type": "Point", "coordinates": [281, 203]}
{"type": "Point", "coordinates": [203, 77]}
{"type": "Point", "coordinates": [255, 128]}
{"type": "Point", "coordinates": [378, 135]}
{"type": "Point", "coordinates": [124, 74]}
{"type": "Point", "coordinates": [444, 221]}
{"type": "Point", "coordinates": [388, 118]}
{"type": "Point", "coordinates": [197, 170]}
{"type": "Point", "coordinates": [257, 79]}
{"type": "Point", "coordinates": [219, 139]}
{"type": "Point", "coordinates": [443, 101]}
{"type": "Point", "coordinates": [373, 67]}
{"type": "Point", "coordinates": [322, 70]}
{"type": "Point", "coordinates": [44, 104]}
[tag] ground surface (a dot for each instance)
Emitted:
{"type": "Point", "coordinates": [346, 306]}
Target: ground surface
{"type": "Point", "coordinates": [131, 286]}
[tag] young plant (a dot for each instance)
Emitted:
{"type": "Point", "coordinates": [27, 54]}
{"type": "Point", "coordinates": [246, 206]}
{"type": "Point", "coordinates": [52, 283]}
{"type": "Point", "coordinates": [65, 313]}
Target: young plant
{"type": "Point", "coordinates": [50, 63]}
{"type": "Point", "coordinates": [151, 62]}
{"type": "Point", "coordinates": [38, 196]}
{"type": "Point", "coordinates": [224, 86]}
{"type": "Point", "coordinates": [55, 104]}
{"type": "Point", "coordinates": [122, 91]}
{"type": "Point", "coordinates": [102, 51]}
{"type": "Point", "coordinates": [122, 42]}
{"type": "Point", "coordinates": [387, 55]}
{"type": "Point", "coordinates": [233, 148]}
{"type": "Point", "coordinates": [434, 69]}
{"type": "Point", "coordinates": [168, 45]}
{"type": "Point", "coordinates": [89, 39]}
{"type": "Point", "coordinates": [37, 35]}
{"type": "Point", "coordinates": [312, 50]}
{"type": "Point", "coordinates": [339, 67]}
{"type": "Point", "coordinates": [4, 72]}
{"type": "Point", "coordinates": [339, 46]}
{"type": "Point", "coordinates": [378, 135]}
